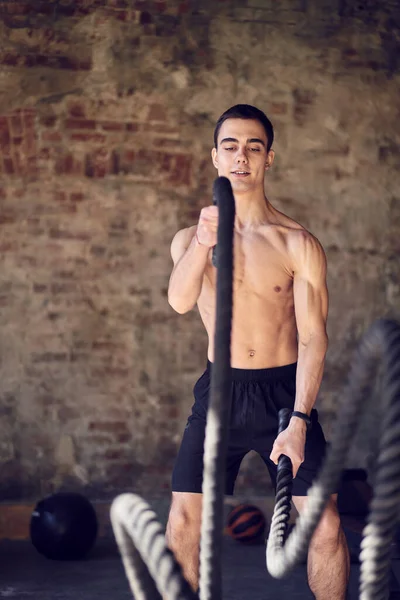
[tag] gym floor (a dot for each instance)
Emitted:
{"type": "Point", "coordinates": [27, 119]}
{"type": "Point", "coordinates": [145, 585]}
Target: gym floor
{"type": "Point", "coordinates": [26, 575]}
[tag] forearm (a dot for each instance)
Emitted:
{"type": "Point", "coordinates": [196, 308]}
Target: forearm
{"type": "Point", "coordinates": [310, 368]}
{"type": "Point", "coordinates": [187, 277]}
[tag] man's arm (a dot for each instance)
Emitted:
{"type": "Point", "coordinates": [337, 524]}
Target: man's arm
{"type": "Point", "coordinates": [190, 259]}
{"type": "Point", "coordinates": [189, 251]}
{"type": "Point", "coordinates": [311, 310]}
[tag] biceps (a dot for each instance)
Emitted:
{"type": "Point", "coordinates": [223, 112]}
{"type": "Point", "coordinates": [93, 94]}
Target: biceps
{"type": "Point", "coordinates": [311, 309]}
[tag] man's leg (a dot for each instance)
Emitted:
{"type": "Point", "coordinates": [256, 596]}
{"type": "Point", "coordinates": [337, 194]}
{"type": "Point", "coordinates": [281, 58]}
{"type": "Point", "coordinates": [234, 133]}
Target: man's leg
{"type": "Point", "coordinates": [183, 533]}
{"type": "Point", "coordinates": [328, 563]}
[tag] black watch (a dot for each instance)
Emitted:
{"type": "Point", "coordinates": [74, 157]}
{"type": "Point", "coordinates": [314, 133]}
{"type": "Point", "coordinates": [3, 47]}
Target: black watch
{"type": "Point", "coordinates": [303, 416]}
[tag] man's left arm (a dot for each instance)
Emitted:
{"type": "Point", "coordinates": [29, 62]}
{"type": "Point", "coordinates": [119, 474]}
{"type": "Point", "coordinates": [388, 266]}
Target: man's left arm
{"type": "Point", "coordinates": [311, 310]}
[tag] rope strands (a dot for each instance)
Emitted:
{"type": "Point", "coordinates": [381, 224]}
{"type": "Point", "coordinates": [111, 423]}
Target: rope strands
{"type": "Point", "coordinates": [380, 345]}
{"type": "Point", "coordinates": [150, 566]}
{"type": "Point", "coordinates": [216, 440]}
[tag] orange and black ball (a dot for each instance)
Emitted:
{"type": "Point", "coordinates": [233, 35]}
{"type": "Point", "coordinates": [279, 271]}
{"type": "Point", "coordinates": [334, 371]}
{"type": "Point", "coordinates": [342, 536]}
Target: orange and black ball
{"type": "Point", "coordinates": [246, 523]}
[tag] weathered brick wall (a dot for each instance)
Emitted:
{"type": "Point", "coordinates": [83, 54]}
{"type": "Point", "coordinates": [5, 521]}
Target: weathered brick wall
{"type": "Point", "coordinates": [107, 110]}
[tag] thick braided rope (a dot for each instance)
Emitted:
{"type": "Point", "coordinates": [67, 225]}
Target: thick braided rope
{"type": "Point", "coordinates": [284, 484]}
{"type": "Point", "coordinates": [381, 344]}
{"type": "Point", "coordinates": [150, 566]}
{"type": "Point", "coordinates": [215, 445]}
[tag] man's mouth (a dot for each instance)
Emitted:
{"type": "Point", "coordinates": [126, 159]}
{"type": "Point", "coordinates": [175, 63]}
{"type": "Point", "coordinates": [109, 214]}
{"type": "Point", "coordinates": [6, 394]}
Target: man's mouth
{"type": "Point", "coordinates": [240, 173]}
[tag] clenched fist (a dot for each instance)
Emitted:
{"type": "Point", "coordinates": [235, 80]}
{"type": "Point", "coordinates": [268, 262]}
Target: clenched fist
{"type": "Point", "coordinates": [207, 226]}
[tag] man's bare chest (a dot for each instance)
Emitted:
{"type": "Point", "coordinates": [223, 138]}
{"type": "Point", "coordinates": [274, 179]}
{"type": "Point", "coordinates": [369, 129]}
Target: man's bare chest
{"type": "Point", "coordinates": [261, 268]}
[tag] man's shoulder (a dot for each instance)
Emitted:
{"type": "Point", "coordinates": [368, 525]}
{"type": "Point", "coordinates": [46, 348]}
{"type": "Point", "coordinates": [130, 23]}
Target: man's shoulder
{"type": "Point", "coordinates": [301, 244]}
{"type": "Point", "coordinates": [184, 236]}
{"type": "Point", "coordinates": [297, 235]}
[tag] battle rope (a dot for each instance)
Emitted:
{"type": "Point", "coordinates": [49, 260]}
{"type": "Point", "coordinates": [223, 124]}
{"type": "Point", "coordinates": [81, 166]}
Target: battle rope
{"type": "Point", "coordinates": [150, 566]}
{"type": "Point", "coordinates": [216, 440]}
{"type": "Point", "coordinates": [379, 348]}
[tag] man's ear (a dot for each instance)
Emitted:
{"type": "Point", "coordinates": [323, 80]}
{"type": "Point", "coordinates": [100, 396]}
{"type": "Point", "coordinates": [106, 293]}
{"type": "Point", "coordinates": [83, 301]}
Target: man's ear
{"type": "Point", "coordinates": [214, 157]}
{"type": "Point", "coordinates": [270, 159]}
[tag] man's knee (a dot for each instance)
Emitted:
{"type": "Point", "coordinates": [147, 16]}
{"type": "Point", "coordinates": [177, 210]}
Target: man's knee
{"type": "Point", "coordinates": [329, 528]}
{"type": "Point", "coordinates": [184, 517]}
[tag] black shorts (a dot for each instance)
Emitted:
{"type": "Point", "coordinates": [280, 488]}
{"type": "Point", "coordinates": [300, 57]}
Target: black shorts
{"type": "Point", "coordinates": [257, 397]}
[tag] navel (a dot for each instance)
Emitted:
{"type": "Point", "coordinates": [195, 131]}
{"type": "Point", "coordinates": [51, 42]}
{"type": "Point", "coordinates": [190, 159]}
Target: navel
{"type": "Point", "coordinates": [252, 353]}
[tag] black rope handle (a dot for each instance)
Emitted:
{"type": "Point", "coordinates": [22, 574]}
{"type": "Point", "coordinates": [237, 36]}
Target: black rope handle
{"type": "Point", "coordinates": [216, 441]}
{"type": "Point", "coordinates": [284, 483]}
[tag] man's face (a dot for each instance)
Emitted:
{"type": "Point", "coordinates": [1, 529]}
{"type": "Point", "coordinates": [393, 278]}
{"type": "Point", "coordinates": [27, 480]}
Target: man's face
{"type": "Point", "coordinates": [242, 154]}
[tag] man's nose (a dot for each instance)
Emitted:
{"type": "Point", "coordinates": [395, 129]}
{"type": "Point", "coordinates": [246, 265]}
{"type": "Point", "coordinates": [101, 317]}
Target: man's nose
{"type": "Point", "coordinates": [241, 155]}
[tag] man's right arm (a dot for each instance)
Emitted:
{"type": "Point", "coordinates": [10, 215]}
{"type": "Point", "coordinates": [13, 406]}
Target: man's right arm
{"type": "Point", "coordinates": [190, 260]}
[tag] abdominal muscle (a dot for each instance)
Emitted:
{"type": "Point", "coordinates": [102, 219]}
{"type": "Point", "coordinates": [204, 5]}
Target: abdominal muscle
{"type": "Point", "coordinates": [263, 333]}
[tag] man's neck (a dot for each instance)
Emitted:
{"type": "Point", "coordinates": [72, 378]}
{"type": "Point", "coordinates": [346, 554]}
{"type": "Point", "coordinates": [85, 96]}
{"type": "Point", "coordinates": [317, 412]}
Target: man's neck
{"type": "Point", "coordinates": [252, 210]}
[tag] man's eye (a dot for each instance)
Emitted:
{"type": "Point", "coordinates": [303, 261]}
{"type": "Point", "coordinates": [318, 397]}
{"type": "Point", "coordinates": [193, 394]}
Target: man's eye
{"type": "Point", "coordinates": [255, 149]}
{"type": "Point", "coordinates": [229, 148]}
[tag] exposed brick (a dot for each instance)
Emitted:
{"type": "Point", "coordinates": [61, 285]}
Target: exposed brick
{"type": "Point", "coordinates": [17, 8]}
{"type": "Point", "coordinates": [76, 196]}
{"type": "Point", "coordinates": [303, 99]}
{"type": "Point", "coordinates": [48, 120]}
{"type": "Point", "coordinates": [59, 196]}
{"type": "Point", "coordinates": [39, 288]}
{"type": "Point", "coordinates": [118, 427]}
{"type": "Point", "coordinates": [112, 126]}
{"type": "Point", "coordinates": [80, 124]}
{"type": "Point", "coordinates": [132, 127]}
{"type": "Point", "coordinates": [160, 5]}
{"type": "Point", "coordinates": [77, 109]}
{"type": "Point", "coordinates": [78, 357]}
{"type": "Point", "coordinates": [100, 440]}
{"type": "Point", "coordinates": [119, 3]}
{"type": "Point", "coordinates": [60, 234]}
{"type": "Point", "coordinates": [98, 163]}
{"type": "Point", "coordinates": [44, 154]}
{"type": "Point", "coordinates": [145, 18]}
{"type": "Point", "coordinates": [7, 218]}
{"type": "Point", "coordinates": [110, 346]}
{"type": "Point", "coordinates": [160, 128]}
{"type": "Point", "coordinates": [88, 137]}
{"type": "Point", "coordinates": [16, 125]}
{"type": "Point", "coordinates": [115, 454]}
{"type": "Point", "coordinates": [183, 7]}
{"type": "Point", "coordinates": [63, 288]}
{"type": "Point", "coordinates": [4, 133]}
{"type": "Point", "coordinates": [50, 357]}
{"type": "Point", "coordinates": [8, 166]}
{"type": "Point", "coordinates": [68, 164]}
{"type": "Point", "coordinates": [53, 136]}
{"type": "Point", "coordinates": [278, 108]}
{"type": "Point", "coordinates": [110, 372]}
{"type": "Point", "coordinates": [98, 250]}
{"type": "Point", "coordinates": [11, 59]}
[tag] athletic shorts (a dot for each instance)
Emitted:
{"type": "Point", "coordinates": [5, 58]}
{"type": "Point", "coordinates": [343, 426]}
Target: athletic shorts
{"type": "Point", "coordinates": [257, 397]}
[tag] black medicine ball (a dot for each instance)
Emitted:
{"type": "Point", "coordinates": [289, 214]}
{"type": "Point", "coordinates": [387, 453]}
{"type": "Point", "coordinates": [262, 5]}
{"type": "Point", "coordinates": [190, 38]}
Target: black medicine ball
{"type": "Point", "coordinates": [63, 526]}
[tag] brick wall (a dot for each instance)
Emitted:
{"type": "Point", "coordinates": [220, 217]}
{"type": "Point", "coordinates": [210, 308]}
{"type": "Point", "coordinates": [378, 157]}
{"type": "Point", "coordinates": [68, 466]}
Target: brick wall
{"type": "Point", "coordinates": [107, 110]}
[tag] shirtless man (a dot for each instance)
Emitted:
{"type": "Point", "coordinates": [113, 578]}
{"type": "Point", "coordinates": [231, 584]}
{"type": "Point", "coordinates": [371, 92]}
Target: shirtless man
{"type": "Point", "coordinates": [278, 347]}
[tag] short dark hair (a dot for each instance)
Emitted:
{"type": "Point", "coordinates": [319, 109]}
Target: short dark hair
{"type": "Point", "coordinates": [246, 111]}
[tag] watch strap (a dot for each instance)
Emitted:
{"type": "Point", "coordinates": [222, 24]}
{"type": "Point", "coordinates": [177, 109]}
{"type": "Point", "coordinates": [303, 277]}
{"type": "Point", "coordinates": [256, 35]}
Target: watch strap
{"type": "Point", "coordinates": [303, 416]}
